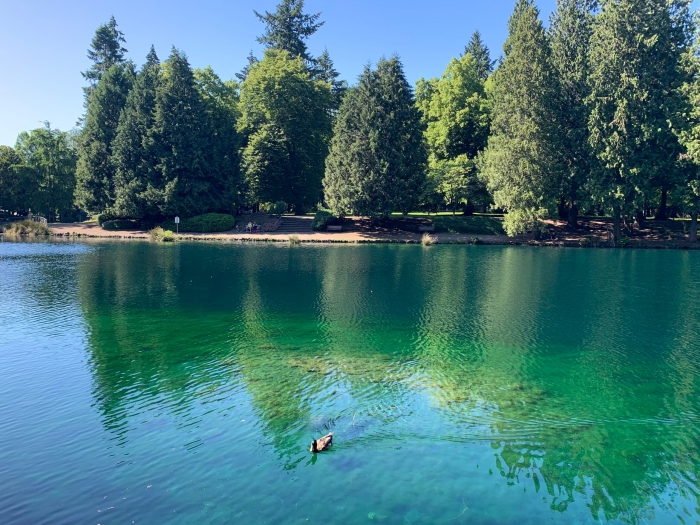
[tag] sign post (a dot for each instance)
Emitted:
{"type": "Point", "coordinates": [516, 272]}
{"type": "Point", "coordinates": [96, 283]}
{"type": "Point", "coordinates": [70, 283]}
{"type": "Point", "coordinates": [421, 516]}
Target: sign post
{"type": "Point", "coordinates": [177, 224]}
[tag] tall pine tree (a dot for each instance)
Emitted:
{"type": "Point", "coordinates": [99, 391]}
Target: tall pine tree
{"type": "Point", "coordinates": [136, 178]}
{"type": "Point", "coordinates": [105, 51]}
{"type": "Point", "coordinates": [377, 159]}
{"type": "Point", "coordinates": [570, 31]}
{"type": "Point", "coordinates": [521, 163]}
{"type": "Point", "coordinates": [481, 54]}
{"type": "Point", "coordinates": [635, 102]}
{"type": "Point", "coordinates": [96, 169]}
{"type": "Point", "coordinates": [288, 28]}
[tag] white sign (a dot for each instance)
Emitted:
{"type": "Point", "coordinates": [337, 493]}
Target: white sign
{"type": "Point", "coordinates": [177, 220]}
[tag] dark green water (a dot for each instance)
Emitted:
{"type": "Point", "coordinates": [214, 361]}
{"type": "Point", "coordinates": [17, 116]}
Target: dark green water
{"type": "Point", "coordinates": [183, 384]}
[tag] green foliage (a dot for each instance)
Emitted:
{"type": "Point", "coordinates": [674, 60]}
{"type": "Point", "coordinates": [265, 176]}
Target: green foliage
{"type": "Point", "coordinates": [479, 225]}
{"type": "Point", "coordinates": [135, 158]}
{"type": "Point", "coordinates": [158, 234]}
{"type": "Point", "coordinates": [118, 224]}
{"type": "Point", "coordinates": [377, 159]}
{"type": "Point", "coordinates": [207, 223]}
{"type": "Point", "coordinates": [27, 228]}
{"type": "Point", "coordinates": [105, 51]}
{"type": "Point", "coordinates": [17, 186]}
{"type": "Point", "coordinates": [48, 164]}
{"type": "Point", "coordinates": [480, 52]}
{"type": "Point", "coordinates": [635, 101]}
{"type": "Point", "coordinates": [520, 163]}
{"type": "Point", "coordinates": [104, 217]}
{"type": "Point", "coordinates": [275, 209]}
{"type": "Point", "coordinates": [287, 28]}
{"type": "Point", "coordinates": [95, 174]}
{"type": "Point", "coordinates": [287, 125]}
{"type": "Point", "coordinates": [322, 219]}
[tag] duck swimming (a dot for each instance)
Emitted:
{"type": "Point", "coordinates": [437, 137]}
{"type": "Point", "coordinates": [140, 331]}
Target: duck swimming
{"type": "Point", "coordinates": [321, 444]}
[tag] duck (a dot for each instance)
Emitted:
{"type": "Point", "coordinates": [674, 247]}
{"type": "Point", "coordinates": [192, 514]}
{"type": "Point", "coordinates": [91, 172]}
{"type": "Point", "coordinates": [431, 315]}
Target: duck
{"type": "Point", "coordinates": [321, 444]}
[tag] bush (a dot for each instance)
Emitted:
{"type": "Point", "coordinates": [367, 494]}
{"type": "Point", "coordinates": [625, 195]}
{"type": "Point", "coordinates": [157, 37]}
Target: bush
{"type": "Point", "coordinates": [428, 240]}
{"type": "Point", "coordinates": [322, 219]}
{"type": "Point", "coordinates": [207, 223]}
{"type": "Point", "coordinates": [27, 228]}
{"type": "Point", "coordinates": [277, 209]}
{"type": "Point", "coordinates": [118, 224]}
{"type": "Point", "coordinates": [158, 234]}
{"type": "Point", "coordinates": [476, 225]}
{"type": "Point", "coordinates": [101, 219]}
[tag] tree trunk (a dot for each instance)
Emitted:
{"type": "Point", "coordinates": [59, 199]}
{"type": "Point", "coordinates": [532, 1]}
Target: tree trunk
{"type": "Point", "coordinates": [641, 219]}
{"type": "Point", "coordinates": [617, 226]}
{"type": "Point", "coordinates": [563, 209]}
{"type": "Point", "coordinates": [693, 226]}
{"type": "Point", "coordinates": [469, 209]}
{"type": "Point", "coordinates": [572, 220]}
{"type": "Point", "coordinates": [661, 213]}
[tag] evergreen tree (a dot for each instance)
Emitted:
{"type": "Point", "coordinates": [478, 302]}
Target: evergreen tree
{"type": "Point", "coordinates": [520, 163]}
{"type": "Point", "coordinates": [287, 28]}
{"type": "Point", "coordinates": [456, 113]}
{"type": "Point", "coordinates": [252, 59]}
{"type": "Point", "coordinates": [286, 122]}
{"type": "Point", "coordinates": [635, 101]}
{"type": "Point", "coordinates": [221, 103]}
{"type": "Point", "coordinates": [180, 139]}
{"type": "Point", "coordinates": [324, 70]}
{"type": "Point", "coordinates": [105, 51]}
{"type": "Point", "coordinates": [481, 54]}
{"type": "Point", "coordinates": [377, 158]}
{"type": "Point", "coordinates": [48, 159]}
{"type": "Point", "coordinates": [95, 189]}
{"type": "Point", "coordinates": [136, 178]}
{"type": "Point", "coordinates": [570, 31]}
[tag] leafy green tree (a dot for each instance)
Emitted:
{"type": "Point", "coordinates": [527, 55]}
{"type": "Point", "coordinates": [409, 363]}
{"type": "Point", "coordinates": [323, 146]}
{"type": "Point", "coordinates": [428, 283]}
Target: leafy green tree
{"type": "Point", "coordinates": [377, 159]}
{"type": "Point", "coordinates": [456, 113]}
{"type": "Point", "coordinates": [520, 163]}
{"type": "Point", "coordinates": [287, 126]}
{"type": "Point", "coordinates": [221, 103]}
{"type": "Point", "coordinates": [137, 180]}
{"type": "Point", "coordinates": [105, 51]}
{"type": "Point", "coordinates": [95, 175]}
{"type": "Point", "coordinates": [481, 54]}
{"type": "Point", "coordinates": [570, 32]}
{"type": "Point", "coordinates": [288, 28]}
{"type": "Point", "coordinates": [180, 140]}
{"type": "Point", "coordinates": [17, 186]}
{"type": "Point", "coordinates": [48, 158]}
{"type": "Point", "coordinates": [635, 101]}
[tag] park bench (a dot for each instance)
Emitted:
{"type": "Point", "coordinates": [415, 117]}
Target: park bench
{"type": "Point", "coordinates": [426, 228]}
{"type": "Point", "coordinates": [334, 228]}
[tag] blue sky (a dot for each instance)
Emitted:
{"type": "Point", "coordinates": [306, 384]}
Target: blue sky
{"type": "Point", "coordinates": [43, 43]}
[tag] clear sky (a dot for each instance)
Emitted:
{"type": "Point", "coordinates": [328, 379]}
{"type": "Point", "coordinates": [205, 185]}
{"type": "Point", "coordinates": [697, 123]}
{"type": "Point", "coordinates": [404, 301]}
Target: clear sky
{"type": "Point", "coordinates": [43, 43]}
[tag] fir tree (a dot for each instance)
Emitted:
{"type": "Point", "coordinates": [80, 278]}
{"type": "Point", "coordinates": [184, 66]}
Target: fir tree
{"type": "Point", "coordinates": [284, 110]}
{"type": "Point", "coordinates": [252, 60]}
{"type": "Point", "coordinates": [520, 163]}
{"type": "Point", "coordinates": [324, 70]}
{"type": "Point", "coordinates": [635, 101]}
{"type": "Point", "coordinates": [105, 51]}
{"type": "Point", "coordinates": [481, 54]}
{"type": "Point", "coordinates": [377, 158]}
{"type": "Point", "coordinates": [287, 28]}
{"type": "Point", "coordinates": [136, 178]}
{"type": "Point", "coordinates": [181, 141]}
{"type": "Point", "coordinates": [95, 174]}
{"type": "Point", "coordinates": [570, 31]}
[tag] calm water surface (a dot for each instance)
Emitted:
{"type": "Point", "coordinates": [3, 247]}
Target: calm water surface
{"type": "Point", "coordinates": [183, 384]}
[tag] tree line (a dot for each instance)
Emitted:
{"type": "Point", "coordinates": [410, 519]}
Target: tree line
{"type": "Point", "coordinates": [598, 113]}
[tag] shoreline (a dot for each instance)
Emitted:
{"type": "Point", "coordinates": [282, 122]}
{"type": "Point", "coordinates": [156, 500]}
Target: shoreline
{"type": "Point", "coordinates": [79, 231]}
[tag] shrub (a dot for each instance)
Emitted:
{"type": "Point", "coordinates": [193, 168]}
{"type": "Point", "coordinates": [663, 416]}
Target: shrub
{"type": "Point", "coordinates": [27, 228]}
{"type": "Point", "coordinates": [585, 242]}
{"type": "Point", "coordinates": [475, 241]}
{"type": "Point", "coordinates": [322, 219]}
{"type": "Point", "coordinates": [277, 209]}
{"type": "Point", "coordinates": [158, 234]}
{"type": "Point", "coordinates": [107, 216]}
{"type": "Point", "coordinates": [475, 225]}
{"type": "Point", "coordinates": [207, 223]}
{"type": "Point", "coordinates": [118, 224]}
{"type": "Point", "coordinates": [293, 239]}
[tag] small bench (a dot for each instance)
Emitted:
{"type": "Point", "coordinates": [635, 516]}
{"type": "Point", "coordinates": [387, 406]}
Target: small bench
{"type": "Point", "coordinates": [334, 228]}
{"type": "Point", "coordinates": [426, 228]}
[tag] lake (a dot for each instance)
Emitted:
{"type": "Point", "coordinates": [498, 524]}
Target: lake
{"type": "Point", "coordinates": [183, 384]}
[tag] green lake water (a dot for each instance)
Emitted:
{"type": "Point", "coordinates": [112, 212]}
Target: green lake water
{"type": "Point", "coordinates": [182, 384]}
